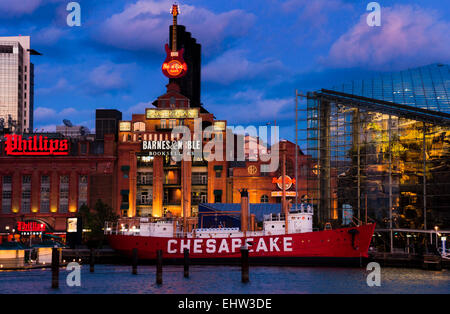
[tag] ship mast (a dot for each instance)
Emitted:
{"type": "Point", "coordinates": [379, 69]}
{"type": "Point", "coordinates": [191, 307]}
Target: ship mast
{"type": "Point", "coordinates": [283, 184]}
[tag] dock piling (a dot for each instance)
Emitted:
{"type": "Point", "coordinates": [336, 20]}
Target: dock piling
{"type": "Point", "coordinates": [91, 261]}
{"type": "Point", "coordinates": [244, 264]}
{"type": "Point", "coordinates": [55, 268]}
{"type": "Point", "coordinates": [134, 261]}
{"type": "Point", "coordinates": [186, 263]}
{"type": "Point", "coordinates": [159, 267]}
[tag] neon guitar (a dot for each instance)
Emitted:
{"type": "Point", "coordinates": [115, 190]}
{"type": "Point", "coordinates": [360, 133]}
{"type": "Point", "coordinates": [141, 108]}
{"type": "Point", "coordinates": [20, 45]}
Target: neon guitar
{"type": "Point", "coordinates": [174, 65]}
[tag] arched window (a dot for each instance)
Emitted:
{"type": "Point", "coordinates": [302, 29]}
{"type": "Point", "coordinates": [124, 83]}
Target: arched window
{"type": "Point", "coordinates": [139, 126]}
{"type": "Point", "coordinates": [264, 199]}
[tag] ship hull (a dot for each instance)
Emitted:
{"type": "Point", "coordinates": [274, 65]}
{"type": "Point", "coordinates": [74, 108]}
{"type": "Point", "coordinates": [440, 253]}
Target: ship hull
{"type": "Point", "coordinates": [338, 246]}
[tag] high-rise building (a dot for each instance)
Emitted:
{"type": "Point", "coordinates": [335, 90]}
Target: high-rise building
{"type": "Point", "coordinates": [16, 83]}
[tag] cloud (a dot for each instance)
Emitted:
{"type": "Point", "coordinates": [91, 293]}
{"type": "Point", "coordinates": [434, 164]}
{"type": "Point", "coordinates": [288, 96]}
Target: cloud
{"type": "Point", "coordinates": [138, 108]}
{"type": "Point", "coordinates": [233, 65]}
{"type": "Point", "coordinates": [252, 106]}
{"type": "Point", "coordinates": [408, 36]}
{"type": "Point", "coordinates": [16, 8]}
{"type": "Point", "coordinates": [48, 36]}
{"type": "Point", "coordinates": [109, 77]}
{"type": "Point", "coordinates": [45, 115]}
{"type": "Point", "coordinates": [61, 84]}
{"type": "Point", "coordinates": [144, 25]}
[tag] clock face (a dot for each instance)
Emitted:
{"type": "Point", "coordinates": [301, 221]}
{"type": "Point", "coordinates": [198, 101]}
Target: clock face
{"type": "Point", "coordinates": [252, 169]}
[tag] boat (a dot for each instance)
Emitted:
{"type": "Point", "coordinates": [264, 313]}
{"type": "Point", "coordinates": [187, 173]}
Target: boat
{"type": "Point", "coordinates": [283, 240]}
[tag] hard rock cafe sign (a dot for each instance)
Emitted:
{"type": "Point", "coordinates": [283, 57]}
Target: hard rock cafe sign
{"type": "Point", "coordinates": [287, 182]}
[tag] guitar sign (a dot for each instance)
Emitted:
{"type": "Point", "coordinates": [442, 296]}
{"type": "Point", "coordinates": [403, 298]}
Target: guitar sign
{"type": "Point", "coordinates": [174, 65]}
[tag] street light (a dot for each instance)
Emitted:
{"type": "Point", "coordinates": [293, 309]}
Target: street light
{"type": "Point", "coordinates": [436, 228]}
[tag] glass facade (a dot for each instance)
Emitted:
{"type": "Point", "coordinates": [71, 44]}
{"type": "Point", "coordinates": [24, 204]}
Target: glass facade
{"type": "Point", "coordinates": [377, 165]}
{"type": "Point", "coordinates": [426, 87]}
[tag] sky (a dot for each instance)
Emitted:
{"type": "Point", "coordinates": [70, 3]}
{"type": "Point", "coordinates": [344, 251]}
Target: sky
{"type": "Point", "coordinates": [255, 53]}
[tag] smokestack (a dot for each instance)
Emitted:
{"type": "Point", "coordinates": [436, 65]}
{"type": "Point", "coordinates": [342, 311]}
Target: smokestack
{"type": "Point", "coordinates": [252, 222]}
{"type": "Point", "coordinates": [245, 207]}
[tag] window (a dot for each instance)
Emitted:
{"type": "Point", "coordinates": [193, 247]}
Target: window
{"type": "Point", "coordinates": [63, 194]}
{"type": "Point", "coordinates": [82, 190]}
{"type": "Point", "coordinates": [163, 123]}
{"type": "Point", "coordinates": [217, 196]}
{"type": "Point", "coordinates": [45, 194]}
{"type": "Point", "coordinates": [264, 199]}
{"type": "Point", "coordinates": [25, 205]}
{"type": "Point", "coordinates": [139, 126]}
{"type": "Point", "coordinates": [172, 123]}
{"type": "Point", "coordinates": [6, 193]}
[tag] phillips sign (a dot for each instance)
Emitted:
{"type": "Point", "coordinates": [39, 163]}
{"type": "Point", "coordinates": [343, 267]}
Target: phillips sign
{"type": "Point", "coordinates": [40, 145]}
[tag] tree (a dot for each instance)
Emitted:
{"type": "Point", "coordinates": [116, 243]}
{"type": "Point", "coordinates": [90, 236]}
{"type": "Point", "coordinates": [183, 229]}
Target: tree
{"type": "Point", "coordinates": [94, 221]}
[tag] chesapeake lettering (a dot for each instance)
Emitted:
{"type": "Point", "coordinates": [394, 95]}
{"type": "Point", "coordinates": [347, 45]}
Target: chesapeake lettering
{"type": "Point", "coordinates": [230, 245]}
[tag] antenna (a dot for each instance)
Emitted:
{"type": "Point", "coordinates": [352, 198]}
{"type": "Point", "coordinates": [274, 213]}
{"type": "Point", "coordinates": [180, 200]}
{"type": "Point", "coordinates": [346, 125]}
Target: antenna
{"type": "Point", "coordinates": [67, 123]}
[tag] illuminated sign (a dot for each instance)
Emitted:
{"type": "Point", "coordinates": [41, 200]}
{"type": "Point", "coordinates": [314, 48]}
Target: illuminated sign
{"type": "Point", "coordinates": [161, 148]}
{"type": "Point", "coordinates": [30, 227]}
{"type": "Point", "coordinates": [280, 193]}
{"type": "Point", "coordinates": [35, 145]}
{"type": "Point", "coordinates": [174, 68]}
{"type": "Point", "coordinates": [174, 114]}
{"type": "Point", "coordinates": [219, 126]}
{"type": "Point", "coordinates": [287, 181]}
{"type": "Point", "coordinates": [72, 224]}
{"type": "Point", "coordinates": [125, 126]}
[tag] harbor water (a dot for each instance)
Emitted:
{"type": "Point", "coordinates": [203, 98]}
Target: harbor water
{"type": "Point", "coordinates": [227, 279]}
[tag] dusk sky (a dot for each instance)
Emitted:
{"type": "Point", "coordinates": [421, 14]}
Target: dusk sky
{"type": "Point", "coordinates": [254, 53]}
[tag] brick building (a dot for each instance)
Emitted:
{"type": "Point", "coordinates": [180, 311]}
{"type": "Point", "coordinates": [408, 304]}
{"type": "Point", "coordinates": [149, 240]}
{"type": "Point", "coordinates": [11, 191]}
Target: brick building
{"type": "Point", "coordinates": [40, 186]}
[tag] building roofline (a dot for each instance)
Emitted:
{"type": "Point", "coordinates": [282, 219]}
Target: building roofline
{"type": "Point", "coordinates": [406, 111]}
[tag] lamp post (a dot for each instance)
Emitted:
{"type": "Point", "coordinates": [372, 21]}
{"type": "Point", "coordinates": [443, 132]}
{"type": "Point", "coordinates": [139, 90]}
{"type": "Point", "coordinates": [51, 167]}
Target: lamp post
{"type": "Point", "coordinates": [436, 228]}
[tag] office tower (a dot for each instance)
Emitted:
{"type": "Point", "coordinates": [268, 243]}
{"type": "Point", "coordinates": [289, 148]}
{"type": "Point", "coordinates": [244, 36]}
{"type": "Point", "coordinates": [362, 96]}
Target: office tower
{"type": "Point", "coordinates": [16, 83]}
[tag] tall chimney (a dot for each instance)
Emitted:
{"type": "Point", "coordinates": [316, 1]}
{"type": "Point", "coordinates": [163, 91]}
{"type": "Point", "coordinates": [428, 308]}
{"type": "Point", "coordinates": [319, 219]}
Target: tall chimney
{"type": "Point", "coordinates": [245, 207]}
{"type": "Point", "coordinates": [252, 222]}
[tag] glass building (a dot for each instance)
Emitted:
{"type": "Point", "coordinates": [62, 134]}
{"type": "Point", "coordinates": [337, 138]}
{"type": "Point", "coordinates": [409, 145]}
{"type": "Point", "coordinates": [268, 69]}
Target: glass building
{"type": "Point", "coordinates": [381, 150]}
{"type": "Point", "coordinates": [16, 84]}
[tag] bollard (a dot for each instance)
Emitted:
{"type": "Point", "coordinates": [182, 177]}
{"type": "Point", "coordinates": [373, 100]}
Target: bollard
{"type": "Point", "coordinates": [26, 257]}
{"type": "Point", "coordinates": [135, 261]}
{"type": "Point", "coordinates": [244, 264]}
{"type": "Point", "coordinates": [159, 267]}
{"type": "Point", "coordinates": [91, 261]}
{"type": "Point", "coordinates": [186, 263]}
{"type": "Point", "coordinates": [55, 268]}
